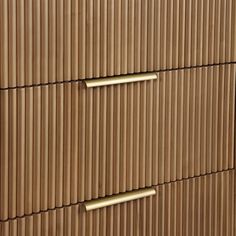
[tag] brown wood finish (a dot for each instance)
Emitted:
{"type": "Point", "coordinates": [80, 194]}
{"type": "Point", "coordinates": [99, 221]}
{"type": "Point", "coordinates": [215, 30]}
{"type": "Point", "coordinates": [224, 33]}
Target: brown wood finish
{"type": "Point", "coordinates": [198, 206]}
{"type": "Point", "coordinates": [65, 143]}
{"type": "Point", "coordinates": [46, 41]}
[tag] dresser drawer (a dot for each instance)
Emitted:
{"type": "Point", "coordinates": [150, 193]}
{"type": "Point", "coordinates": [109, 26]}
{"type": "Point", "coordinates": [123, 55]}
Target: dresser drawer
{"type": "Point", "coordinates": [66, 143]}
{"type": "Point", "coordinates": [63, 40]}
{"type": "Point", "coordinates": [198, 206]}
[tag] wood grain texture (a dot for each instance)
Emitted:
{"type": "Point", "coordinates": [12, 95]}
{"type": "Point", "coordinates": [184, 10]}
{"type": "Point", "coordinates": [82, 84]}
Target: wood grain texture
{"type": "Point", "coordinates": [47, 41]}
{"type": "Point", "coordinates": [198, 206]}
{"type": "Point", "coordinates": [65, 143]}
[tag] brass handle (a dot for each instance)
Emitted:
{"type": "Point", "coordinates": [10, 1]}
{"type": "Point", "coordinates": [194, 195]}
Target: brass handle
{"type": "Point", "coordinates": [90, 83]}
{"type": "Point", "coordinates": [119, 198]}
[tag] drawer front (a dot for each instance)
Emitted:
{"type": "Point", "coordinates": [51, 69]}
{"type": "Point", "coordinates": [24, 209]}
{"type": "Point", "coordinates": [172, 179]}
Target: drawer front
{"type": "Point", "coordinates": [64, 40]}
{"type": "Point", "coordinates": [198, 206]}
{"type": "Point", "coordinates": [65, 143]}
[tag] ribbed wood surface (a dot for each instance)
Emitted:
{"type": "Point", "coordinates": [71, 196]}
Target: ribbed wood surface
{"type": "Point", "coordinates": [44, 41]}
{"type": "Point", "coordinates": [65, 143]}
{"type": "Point", "coordinates": [199, 206]}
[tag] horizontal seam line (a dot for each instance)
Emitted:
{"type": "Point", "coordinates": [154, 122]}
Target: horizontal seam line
{"type": "Point", "coordinates": [78, 203]}
{"type": "Point", "coordinates": [81, 80]}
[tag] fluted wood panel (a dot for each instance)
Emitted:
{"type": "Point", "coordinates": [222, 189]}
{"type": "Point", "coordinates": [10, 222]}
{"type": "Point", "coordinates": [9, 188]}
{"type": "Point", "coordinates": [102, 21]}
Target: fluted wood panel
{"type": "Point", "coordinates": [199, 206]}
{"type": "Point", "coordinates": [65, 143]}
{"type": "Point", "coordinates": [45, 41]}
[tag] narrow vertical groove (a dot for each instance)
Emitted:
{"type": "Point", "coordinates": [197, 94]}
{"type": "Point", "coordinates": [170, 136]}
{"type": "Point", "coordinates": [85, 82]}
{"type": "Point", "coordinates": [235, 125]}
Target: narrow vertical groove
{"type": "Point", "coordinates": [173, 143]}
{"type": "Point", "coordinates": [150, 35]}
{"type": "Point", "coordinates": [59, 144]}
{"type": "Point", "coordinates": [163, 32]}
{"type": "Point", "coordinates": [211, 38]}
{"type": "Point", "coordinates": [198, 122]}
{"type": "Point", "coordinates": [12, 152]}
{"type": "Point", "coordinates": [67, 40]}
{"type": "Point", "coordinates": [116, 130]}
{"type": "Point", "coordinates": [52, 225]}
{"type": "Point", "coordinates": [74, 143]}
{"type": "Point", "coordinates": [220, 120]}
{"type": "Point", "coordinates": [36, 31]}
{"type": "Point", "coordinates": [131, 39]}
{"type": "Point", "coordinates": [209, 124]}
{"type": "Point", "coordinates": [155, 127]}
{"type": "Point", "coordinates": [89, 38]}
{"type": "Point", "coordinates": [137, 36]}
{"type": "Point", "coordinates": [81, 143]}
{"type": "Point", "coordinates": [142, 137]}
{"type": "Point", "coordinates": [217, 31]}
{"type": "Point", "coordinates": [28, 41]}
{"type": "Point", "coordinates": [149, 136]}
{"type": "Point", "coordinates": [36, 148]}
{"type": "Point", "coordinates": [4, 41]}
{"type": "Point", "coordinates": [232, 134]}
{"type": "Point", "coordinates": [52, 149]}
{"type": "Point", "coordinates": [226, 117]}
{"type": "Point", "coordinates": [194, 32]}
{"type": "Point", "coordinates": [143, 40]}
{"type": "Point", "coordinates": [222, 31]}
{"type": "Point", "coordinates": [181, 32]}
{"type": "Point", "coordinates": [96, 38]}
{"type": "Point", "coordinates": [161, 163]}
{"type": "Point", "coordinates": [124, 36]}
{"type": "Point", "coordinates": [88, 143]}
{"type": "Point", "coordinates": [44, 171]}
{"type": "Point", "coordinates": [233, 30]}
{"type": "Point", "coordinates": [52, 30]}
{"type": "Point", "coordinates": [168, 128]}
{"type": "Point", "coordinates": [169, 52]}
{"type": "Point", "coordinates": [11, 43]}
{"type": "Point", "coordinates": [187, 40]}
{"type": "Point", "coordinates": [186, 105]}
{"type": "Point", "coordinates": [29, 151]}
{"type": "Point", "coordinates": [130, 138]}
{"type": "Point", "coordinates": [192, 120]}
{"type": "Point", "coordinates": [67, 144]}
{"type": "Point", "coordinates": [215, 121]}
{"type": "Point", "coordinates": [96, 150]}
{"type": "Point", "coordinates": [205, 48]}
{"type": "Point", "coordinates": [21, 151]}
{"type": "Point", "coordinates": [111, 37]}
{"type": "Point", "coordinates": [123, 138]}
{"type": "Point", "coordinates": [103, 39]}
{"type": "Point", "coordinates": [82, 39]}
{"type": "Point", "coordinates": [136, 134]}
{"type": "Point", "coordinates": [4, 155]}
{"type": "Point", "coordinates": [200, 32]}
{"type": "Point", "coordinates": [228, 32]}
{"type": "Point", "coordinates": [203, 105]}
{"type": "Point", "coordinates": [102, 145]}
{"type": "Point", "coordinates": [110, 141]}
{"type": "Point", "coordinates": [44, 41]}
{"type": "Point", "coordinates": [179, 167]}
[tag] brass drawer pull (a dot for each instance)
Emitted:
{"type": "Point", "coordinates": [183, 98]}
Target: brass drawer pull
{"type": "Point", "coordinates": [90, 83]}
{"type": "Point", "coordinates": [119, 198]}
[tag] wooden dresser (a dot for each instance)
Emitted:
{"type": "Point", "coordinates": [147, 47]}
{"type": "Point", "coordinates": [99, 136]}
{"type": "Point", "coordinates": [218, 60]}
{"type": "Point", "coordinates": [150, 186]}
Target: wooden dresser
{"type": "Point", "coordinates": [117, 117]}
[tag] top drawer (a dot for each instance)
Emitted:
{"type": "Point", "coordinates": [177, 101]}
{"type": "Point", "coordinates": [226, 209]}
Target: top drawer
{"type": "Point", "coordinates": [49, 41]}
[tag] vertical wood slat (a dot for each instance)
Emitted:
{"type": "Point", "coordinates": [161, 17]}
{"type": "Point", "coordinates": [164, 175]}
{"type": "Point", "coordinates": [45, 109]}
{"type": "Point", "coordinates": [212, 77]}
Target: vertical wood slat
{"type": "Point", "coordinates": [179, 208]}
{"type": "Point", "coordinates": [52, 41]}
{"type": "Point", "coordinates": [74, 143]}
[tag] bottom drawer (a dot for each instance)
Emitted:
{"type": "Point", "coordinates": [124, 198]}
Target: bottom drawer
{"type": "Point", "coordinates": [198, 206]}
